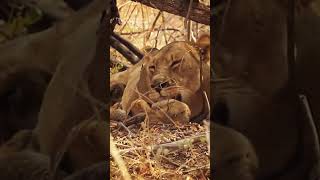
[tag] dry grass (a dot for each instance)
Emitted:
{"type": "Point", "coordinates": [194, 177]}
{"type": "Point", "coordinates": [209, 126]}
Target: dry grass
{"type": "Point", "coordinates": [146, 27]}
{"type": "Point", "coordinates": [159, 151]}
{"type": "Point", "coordinates": [163, 152]}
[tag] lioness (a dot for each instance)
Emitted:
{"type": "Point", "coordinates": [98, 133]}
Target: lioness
{"type": "Point", "coordinates": [167, 81]}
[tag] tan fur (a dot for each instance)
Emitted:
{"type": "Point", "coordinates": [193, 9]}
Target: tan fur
{"type": "Point", "coordinates": [184, 76]}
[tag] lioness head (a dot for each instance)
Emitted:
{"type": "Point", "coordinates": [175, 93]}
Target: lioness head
{"type": "Point", "coordinates": [177, 64]}
{"type": "Point", "coordinates": [174, 72]}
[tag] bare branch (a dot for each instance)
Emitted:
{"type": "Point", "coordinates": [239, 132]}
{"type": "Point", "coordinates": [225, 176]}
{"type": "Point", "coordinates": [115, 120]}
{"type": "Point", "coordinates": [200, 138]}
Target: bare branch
{"type": "Point", "coordinates": [129, 45]}
{"type": "Point", "coordinates": [179, 144]}
{"type": "Point", "coordinates": [146, 30]}
{"type": "Point", "coordinates": [129, 55]}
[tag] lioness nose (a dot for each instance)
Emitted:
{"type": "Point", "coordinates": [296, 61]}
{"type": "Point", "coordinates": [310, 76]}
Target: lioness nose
{"type": "Point", "coordinates": [160, 83]}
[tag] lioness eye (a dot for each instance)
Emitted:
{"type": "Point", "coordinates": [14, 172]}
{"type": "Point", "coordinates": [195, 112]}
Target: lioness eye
{"type": "Point", "coordinates": [176, 63]}
{"type": "Point", "coordinates": [152, 68]}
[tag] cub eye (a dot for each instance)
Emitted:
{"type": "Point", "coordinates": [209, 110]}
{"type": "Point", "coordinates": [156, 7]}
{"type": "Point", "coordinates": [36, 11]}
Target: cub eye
{"type": "Point", "coordinates": [176, 63]}
{"type": "Point", "coordinates": [152, 68]}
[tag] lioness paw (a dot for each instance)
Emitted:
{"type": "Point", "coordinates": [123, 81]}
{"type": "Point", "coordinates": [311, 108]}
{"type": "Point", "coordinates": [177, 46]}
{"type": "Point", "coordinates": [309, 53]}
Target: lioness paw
{"type": "Point", "coordinates": [165, 111]}
{"type": "Point", "coordinates": [176, 110]}
{"type": "Point", "coordinates": [139, 106]}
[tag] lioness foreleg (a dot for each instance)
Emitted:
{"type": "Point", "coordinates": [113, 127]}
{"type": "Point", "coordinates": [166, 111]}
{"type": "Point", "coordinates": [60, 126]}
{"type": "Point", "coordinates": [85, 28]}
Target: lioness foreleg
{"type": "Point", "coordinates": [164, 111]}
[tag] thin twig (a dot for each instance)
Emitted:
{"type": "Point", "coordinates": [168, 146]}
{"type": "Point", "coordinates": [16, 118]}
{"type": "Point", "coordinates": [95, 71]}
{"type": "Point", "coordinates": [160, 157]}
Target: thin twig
{"type": "Point", "coordinates": [127, 12]}
{"type": "Point", "coordinates": [143, 17]}
{"type": "Point", "coordinates": [126, 128]}
{"type": "Point", "coordinates": [136, 17]}
{"type": "Point", "coordinates": [187, 22]}
{"type": "Point", "coordinates": [164, 27]}
{"type": "Point", "coordinates": [124, 4]}
{"type": "Point", "coordinates": [169, 118]}
{"type": "Point", "coordinates": [156, 38]}
{"type": "Point", "coordinates": [153, 25]}
{"type": "Point", "coordinates": [125, 24]}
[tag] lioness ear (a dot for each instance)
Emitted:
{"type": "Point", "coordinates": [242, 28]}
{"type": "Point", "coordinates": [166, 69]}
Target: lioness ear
{"type": "Point", "coordinates": [146, 58]}
{"type": "Point", "coordinates": [204, 45]}
{"type": "Point", "coordinates": [149, 50]}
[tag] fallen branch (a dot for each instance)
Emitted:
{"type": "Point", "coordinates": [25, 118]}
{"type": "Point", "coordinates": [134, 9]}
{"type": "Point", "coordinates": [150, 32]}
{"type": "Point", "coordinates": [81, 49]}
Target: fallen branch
{"type": "Point", "coordinates": [171, 145]}
{"type": "Point", "coordinates": [129, 45]}
{"type": "Point", "coordinates": [129, 55]}
{"type": "Point", "coordinates": [200, 13]}
{"type": "Point", "coordinates": [147, 30]}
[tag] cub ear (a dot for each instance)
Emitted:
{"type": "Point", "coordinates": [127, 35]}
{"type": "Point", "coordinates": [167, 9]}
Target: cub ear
{"type": "Point", "coordinates": [204, 45]}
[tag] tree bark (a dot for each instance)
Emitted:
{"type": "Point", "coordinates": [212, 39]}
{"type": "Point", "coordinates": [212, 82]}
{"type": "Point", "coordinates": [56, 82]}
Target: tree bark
{"type": "Point", "coordinates": [199, 12]}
